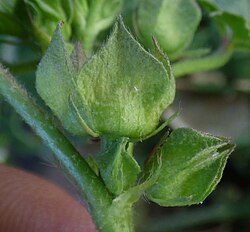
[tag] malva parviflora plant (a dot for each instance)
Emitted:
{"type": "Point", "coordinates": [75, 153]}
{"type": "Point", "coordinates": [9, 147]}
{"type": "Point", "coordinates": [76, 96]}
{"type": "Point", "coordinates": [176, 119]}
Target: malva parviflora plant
{"type": "Point", "coordinates": [119, 94]}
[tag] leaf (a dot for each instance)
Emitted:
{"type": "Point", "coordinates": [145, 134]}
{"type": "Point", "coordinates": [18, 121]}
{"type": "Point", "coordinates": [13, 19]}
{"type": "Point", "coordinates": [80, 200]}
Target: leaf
{"type": "Point", "coordinates": [191, 166]}
{"type": "Point", "coordinates": [173, 23]}
{"type": "Point", "coordinates": [240, 32]}
{"type": "Point", "coordinates": [54, 82]}
{"type": "Point", "coordinates": [232, 15]}
{"type": "Point", "coordinates": [239, 7]}
{"type": "Point", "coordinates": [124, 89]}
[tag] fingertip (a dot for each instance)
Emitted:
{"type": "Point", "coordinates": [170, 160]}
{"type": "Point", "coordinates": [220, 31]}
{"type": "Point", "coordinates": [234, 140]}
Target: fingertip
{"type": "Point", "coordinates": [29, 203]}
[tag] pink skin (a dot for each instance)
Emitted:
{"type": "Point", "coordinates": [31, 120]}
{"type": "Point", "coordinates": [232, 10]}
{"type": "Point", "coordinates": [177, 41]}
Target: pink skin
{"type": "Point", "coordinates": [31, 204]}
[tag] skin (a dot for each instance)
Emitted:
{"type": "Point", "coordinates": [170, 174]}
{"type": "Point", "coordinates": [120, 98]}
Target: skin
{"type": "Point", "coordinates": [31, 204]}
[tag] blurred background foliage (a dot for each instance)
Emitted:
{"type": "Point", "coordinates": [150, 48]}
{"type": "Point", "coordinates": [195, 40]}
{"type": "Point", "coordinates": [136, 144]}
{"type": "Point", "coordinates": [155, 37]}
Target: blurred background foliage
{"type": "Point", "coordinates": [214, 101]}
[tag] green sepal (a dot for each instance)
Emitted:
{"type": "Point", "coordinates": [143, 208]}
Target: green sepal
{"type": "Point", "coordinates": [75, 109]}
{"type": "Point", "coordinates": [55, 81]}
{"type": "Point", "coordinates": [117, 166]}
{"type": "Point", "coordinates": [92, 163]}
{"type": "Point", "coordinates": [239, 7]}
{"type": "Point", "coordinates": [162, 126]}
{"type": "Point", "coordinates": [124, 89]}
{"type": "Point", "coordinates": [173, 23]}
{"type": "Point", "coordinates": [163, 58]}
{"type": "Point", "coordinates": [191, 166]}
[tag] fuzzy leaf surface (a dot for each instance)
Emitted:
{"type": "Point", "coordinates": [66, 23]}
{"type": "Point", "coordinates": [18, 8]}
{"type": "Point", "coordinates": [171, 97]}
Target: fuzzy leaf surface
{"type": "Point", "coordinates": [54, 82]}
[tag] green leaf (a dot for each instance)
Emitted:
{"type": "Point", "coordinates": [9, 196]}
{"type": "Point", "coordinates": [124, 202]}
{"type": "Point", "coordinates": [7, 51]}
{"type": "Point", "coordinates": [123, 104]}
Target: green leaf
{"type": "Point", "coordinates": [173, 23]}
{"type": "Point", "coordinates": [240, 32]}
{"type": "Point", "coordinates": [239, 7]}
{"type": "Point", "coordinates": [233, 19]}
{"type": "Point", "coordinates": [54, 82]}
{"type": "Point", "coordinates": [118, 168]}
{"type": "Point", "coordinates": [191, 166]}
{"type": "Point", "coordinates": [124, 89]}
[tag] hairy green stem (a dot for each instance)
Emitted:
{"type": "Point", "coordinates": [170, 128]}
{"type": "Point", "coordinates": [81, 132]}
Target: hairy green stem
{"type": "Point", "coordinates": [213, 61]}
{"type": "Point", "coordinates": [65, 155]}
{"type": "Point", "coordinates": [110, 214]}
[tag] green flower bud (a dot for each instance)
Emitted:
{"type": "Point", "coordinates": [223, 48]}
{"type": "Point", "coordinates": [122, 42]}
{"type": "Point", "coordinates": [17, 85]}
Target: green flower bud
{"type": "Point", "coordinates": [173, 23]}
{"type": "Point", "coordinates": [119, 92]}
{"type": "Point", "coordinates": [47, 13]}
{"type": "Point", "coordinates": [191, 165]}
{"type": "Point", "coordinates": [123, 89]}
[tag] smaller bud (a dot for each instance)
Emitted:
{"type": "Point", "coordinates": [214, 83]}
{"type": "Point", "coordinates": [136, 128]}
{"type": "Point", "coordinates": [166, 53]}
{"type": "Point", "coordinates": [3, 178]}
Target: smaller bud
{"type": "Point", "coordinates": [173, 23]}
{"type": "Point", "coordinates": [191, 166]}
